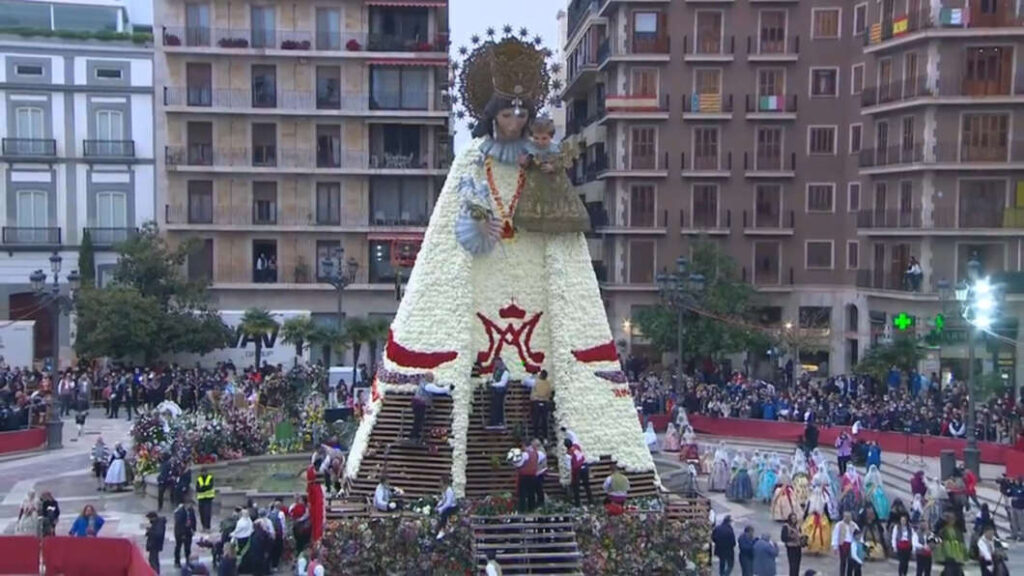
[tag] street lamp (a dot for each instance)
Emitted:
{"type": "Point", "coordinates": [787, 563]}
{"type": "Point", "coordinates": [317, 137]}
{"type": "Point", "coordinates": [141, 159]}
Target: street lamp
{"type": "Point", "coordinates": [340, 273]}
{"type": "Point", "coordinates": [979, 300]}
{"type": "Point", "coordinates": [57, 303]}
{"type": "Point", "coordinates": [680, 290]}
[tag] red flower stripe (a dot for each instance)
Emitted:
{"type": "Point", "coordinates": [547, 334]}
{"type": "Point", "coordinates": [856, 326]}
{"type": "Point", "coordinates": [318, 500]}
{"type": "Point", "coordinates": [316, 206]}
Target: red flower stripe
{"type": "Point", "coordinates": [604, 353]}
{"type": "Point", "coordinates": [411, 359]}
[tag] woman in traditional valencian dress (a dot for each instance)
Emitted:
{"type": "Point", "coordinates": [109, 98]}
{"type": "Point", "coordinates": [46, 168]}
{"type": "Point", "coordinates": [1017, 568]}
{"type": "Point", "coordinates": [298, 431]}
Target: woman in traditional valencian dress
{"type": "Point", "coordinates": [851, 495]}
{"type": "Point", "coordinates": [740, 488]}
{"type": "Point", "coordinates": [801, 480]}
{"type": "Point", "coordinates": [671, 438]}
{"type": "Point", "coordinates": [783, 500]}
{"type": "Point", "coordinates": [874, 492]}
{"type": "Point", "coordinates": [830, 507]}
{"type": "Point", "coordinates": [720, 473]}
{"type": "Point", "coordinates": [504, 271]}
{"type": "Point", "coordinates": [688, 449]}
{"type": "Point", "coordinates": [766, 482]}
{"type": "Point", "coordinates": [875, 537]}
{"type": "Point", "coordinates": [816, 527]}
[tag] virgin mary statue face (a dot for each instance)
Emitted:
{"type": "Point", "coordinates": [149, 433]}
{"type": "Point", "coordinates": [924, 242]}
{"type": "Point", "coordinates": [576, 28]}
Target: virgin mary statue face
{"type": "Point", "coordinates": [508, 125]}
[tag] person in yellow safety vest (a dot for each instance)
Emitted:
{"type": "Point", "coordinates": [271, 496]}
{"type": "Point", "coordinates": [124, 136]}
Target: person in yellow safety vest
{"type": "Point", "coordinates": [204, 494]}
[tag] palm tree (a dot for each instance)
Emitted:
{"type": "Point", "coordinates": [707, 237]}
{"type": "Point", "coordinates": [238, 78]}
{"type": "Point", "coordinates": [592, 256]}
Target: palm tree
{"type": "Point", "coordinates": [358, 333]}
{"type": "Point", "coordinates": [297, 331]}
{"type": "Point", "coordinates": [379, 328]}
{"type": "Point", "coordinates": [257, 323]}
{"type": "Point", "coordinates": [328, 338]}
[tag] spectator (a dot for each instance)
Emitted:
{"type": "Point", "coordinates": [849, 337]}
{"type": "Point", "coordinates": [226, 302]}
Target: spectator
{"type": "Point", "coordinates": [724, 540]}
{"type": "Point", "coordinates": [87, 524]}
{"type": "Point", "coordinates": [765, 553]}
{"type": "Point", "coordinates": [746, 546]}
{"type": "Point", "coordinates": [155, 539]}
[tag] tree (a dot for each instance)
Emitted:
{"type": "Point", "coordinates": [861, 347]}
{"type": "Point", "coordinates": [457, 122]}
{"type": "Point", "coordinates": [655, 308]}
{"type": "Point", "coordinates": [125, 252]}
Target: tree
{"type": "Point", "coordinates": [718, 323]}
{"type": "Point", "coordinates": [379, 328]}
{"type": "Point", "coordinates": [902, 352]}
{"type": "Point", "coordinates": [296, 331]}
{"type": "Point", "coordinates": [118, 322]}
{"type": "Point", "coordinates": [146, 262]}
{"type": "Point", "coordinates": [87, 261]}
{"type": "Point", "coordinates": [257, 323]}
{"type": "Point", "coordinates": [329, 339]}
{"type": "Point", "coordinates": [359, 332]}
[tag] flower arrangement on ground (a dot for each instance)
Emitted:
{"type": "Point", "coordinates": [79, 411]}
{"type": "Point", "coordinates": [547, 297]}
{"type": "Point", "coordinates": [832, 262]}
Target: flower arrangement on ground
{"type": "Point", "coordinates": [399, 544]}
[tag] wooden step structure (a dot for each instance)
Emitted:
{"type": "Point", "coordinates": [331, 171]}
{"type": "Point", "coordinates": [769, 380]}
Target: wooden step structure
{"type": "Point", "coordinates": [534, 544]}
{"type": "Point", "coordinates": [415, 468]}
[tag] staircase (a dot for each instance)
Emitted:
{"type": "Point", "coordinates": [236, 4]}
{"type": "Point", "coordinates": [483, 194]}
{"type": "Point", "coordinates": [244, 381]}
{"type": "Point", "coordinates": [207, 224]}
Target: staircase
{"type": "Point", "coordinates": [527, 544]}
{"type": "Point", "coordinates": [486, 469]}
{"type": "Point", "coordinates": [415, 468]}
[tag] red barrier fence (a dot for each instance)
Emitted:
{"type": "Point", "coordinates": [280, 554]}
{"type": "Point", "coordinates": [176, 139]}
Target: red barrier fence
{"type": "Point", "coordinates": [21, 440]}
{"type": "Point", "coordinates": [67, 556]}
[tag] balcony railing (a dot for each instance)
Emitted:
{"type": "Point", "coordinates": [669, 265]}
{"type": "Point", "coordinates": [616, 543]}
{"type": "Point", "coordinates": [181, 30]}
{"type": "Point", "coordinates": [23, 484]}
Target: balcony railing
{"type": "Point", "coordinates": [633, 103]}
{"type": "Point", "coordinates": [891, 156]}
{"type": "Point", "coordinates": [389, 218]}
{"type": "Point", "coordinates": [787, 47]}
{"type": "Point", "coordinates": [709, 46]}
{"type": "Point", "coordinates": [648, 44]}
{"type": "Point", "coordinates": [768, 221]}
{"type": "Point", "coordinates": [707, 162]}
{"type": "Point", "coordinates": [245, 38]}
{"type": "Point", "coordinates": [896, 91]}
{"type": "Point", "coordinates": [707, 104]}
{"type": "Point", "coordinates": [391, 43]}
{"type": "Point", "coordinates": [710, 218]}
{"type": "Point", "coordinates": [276, 156]}
{"type": "Point", "coordinates": [108, 148]}
{"type": "Point", "coordinates": [578, 12]}
{"type": "Point", "coordinates": [106, 237]}
{"type": "Point", "coordinates": [768, 162]}
{"type": "Point", "coordinates": [890, 280]}
{"type": "Point", "coordinates": [980, 216]}
{"type": "Point", "coordinates": [31, 236]}
{"type": "Point", "coordinates": [959, 152]}
{"type": "Point", "coordinates": [30, 147]}
{"type": "Point", "coordinates": [780, 104]}
{"type": "Point", "coordinates": [900, 25]}
{"type": "Point", "coordinates": [890, 219]}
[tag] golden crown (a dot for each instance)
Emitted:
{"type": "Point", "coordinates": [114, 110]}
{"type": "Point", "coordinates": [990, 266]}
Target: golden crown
{"type": "Point", "coordinates": [510, 66]}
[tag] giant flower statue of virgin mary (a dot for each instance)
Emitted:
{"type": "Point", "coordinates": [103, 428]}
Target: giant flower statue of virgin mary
{"type": "Point", "coordinates": [504, 270]}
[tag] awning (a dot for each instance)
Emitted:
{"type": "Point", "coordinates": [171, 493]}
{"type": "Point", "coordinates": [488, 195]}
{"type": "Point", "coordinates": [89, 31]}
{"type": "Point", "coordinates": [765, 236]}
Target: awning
{"type": "Point", "coordinates": [409, 62]}
{"type": "Point", "coordinates": [409, 3]}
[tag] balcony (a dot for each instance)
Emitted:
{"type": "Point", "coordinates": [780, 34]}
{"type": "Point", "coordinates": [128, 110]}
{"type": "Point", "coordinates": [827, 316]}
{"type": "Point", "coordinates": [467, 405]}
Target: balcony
{"type": "Point", "coordinates": [110, 237]}
{"type": "Point", "coordinates": [787, 50]}
{"type": "Point", "coordinates": [29, 237]}
{"type": "Point", "coordinates": [637, 48]}
{"type": "Point", "coordinates": [711, 49]}
{"type": "Point", "coordinates": [707, 107]}
{"type": "Point", "coordinates": [634, 107]}
{"type": "Point", "coordinates": [944, 155]}
{"type": "Point", "coordinates": [896, 91]}
{"type": "Point", "coordinates": [891, 156]}
{"type": "Point", "coordinates": [769, 165]}
{"type": "Point", "coordinates": [202, 39]}
{"type": "Point", "coordinates": [108, 149]}
{"type": "Point", "coordinates": [637, 225]}
{"type": "Point", "coordinates": [711, 221]}
{"type": "Point", "coordinates": [632, 166]}
{"type": "Point", "coordinates": [890, 220]}
{"type": "Point", "coordinates": [578, 13]}
{"type": "Point", "coordinates": [958, 18]}
{"type": "Point", "coordinates": [951, 90]}
{"type": "Point", "coordinates": [981, 219]}
{"type": "Point", "coordinates": [35, 148]}
{"type": "Point", "coordinates": [707, 165]}
{"type": "Point", "coordinates": [772, 222]}
{"type": "Point", "coordinates": [391, 43]}
{"type": "Point", "coordinates": [275, 158]}
{"type": "Point", "coordinates": [179, 99]}
{"type": "Point", "coordinates": [779, 107]}
{"type": "Point", "coordinates": [892, 281]}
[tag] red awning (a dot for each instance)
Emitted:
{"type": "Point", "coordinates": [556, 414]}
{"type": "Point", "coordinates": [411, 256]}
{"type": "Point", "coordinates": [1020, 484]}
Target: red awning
{"type": "Point", "coordinates": [390, 237]}
{"type": "Point", "coordinates": [409, 3]}
{"type": "Point", "coordinates": [408, 62]}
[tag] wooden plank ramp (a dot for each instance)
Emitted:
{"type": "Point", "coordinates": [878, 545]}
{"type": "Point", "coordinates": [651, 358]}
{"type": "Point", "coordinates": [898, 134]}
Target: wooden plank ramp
{"type": "Point", "coordinates": [533, 544]}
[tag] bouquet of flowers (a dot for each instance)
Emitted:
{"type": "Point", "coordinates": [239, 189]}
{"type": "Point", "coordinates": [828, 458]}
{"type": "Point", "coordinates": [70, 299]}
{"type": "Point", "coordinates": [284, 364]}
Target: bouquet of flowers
{"type": "Point", "coordinates": [312, 417]}
{"type": "Point", "coordinates": [513, 455]}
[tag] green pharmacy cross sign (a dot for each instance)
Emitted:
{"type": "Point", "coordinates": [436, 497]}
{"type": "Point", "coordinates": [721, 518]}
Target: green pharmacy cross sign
{"type": "Point", "coordinates": [903, 321]}
{"type": "Point", "coordinates": [940, 322]}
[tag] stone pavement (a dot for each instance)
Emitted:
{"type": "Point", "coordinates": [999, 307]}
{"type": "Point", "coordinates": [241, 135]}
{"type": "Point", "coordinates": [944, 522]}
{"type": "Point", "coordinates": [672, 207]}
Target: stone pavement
{"type": "Point", "coordinates": [759, 515]}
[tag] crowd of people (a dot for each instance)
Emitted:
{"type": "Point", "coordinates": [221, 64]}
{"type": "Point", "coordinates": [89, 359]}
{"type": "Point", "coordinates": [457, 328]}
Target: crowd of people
{"type": "Point", "coordinates": [905, 403]}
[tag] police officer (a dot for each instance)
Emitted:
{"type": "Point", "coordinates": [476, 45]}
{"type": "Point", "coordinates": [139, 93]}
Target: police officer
{"type": "Point", "coordinates": [204, 495]}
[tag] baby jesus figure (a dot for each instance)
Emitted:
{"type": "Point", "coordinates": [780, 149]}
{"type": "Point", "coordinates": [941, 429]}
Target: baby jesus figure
{"type": "Point", "coordinates": [549, 203]}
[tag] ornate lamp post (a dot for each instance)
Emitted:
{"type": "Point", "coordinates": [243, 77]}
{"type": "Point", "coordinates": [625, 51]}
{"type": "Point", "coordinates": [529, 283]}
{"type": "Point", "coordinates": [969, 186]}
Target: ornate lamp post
{"type": "Point", "coordinates": [340, 273]}
{"type": "Point", "coordinates": [57, 303]}
{"type": "Point", "coordinates": [680, 291]}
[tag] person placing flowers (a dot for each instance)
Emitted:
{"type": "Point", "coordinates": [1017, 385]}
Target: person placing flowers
{"type": "Point", "coordinates": [447, 506]}
{"type": "Point", "coordinates": [422, 400]}
{"type": "Point", "coordinates": [498, 386]}
{"type": "Point", "coordinates": [387, 498]}
{"type": "Point", "coordinates": [616, 489]}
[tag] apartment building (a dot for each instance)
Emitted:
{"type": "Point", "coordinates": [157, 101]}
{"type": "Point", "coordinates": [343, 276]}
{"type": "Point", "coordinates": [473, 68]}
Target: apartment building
{"type": "Point", "coordinates": [77, 152]}
{"type": "Point", "coordinates": [821, 144]}
{"type": "Point", "coordinates": [291, 130]}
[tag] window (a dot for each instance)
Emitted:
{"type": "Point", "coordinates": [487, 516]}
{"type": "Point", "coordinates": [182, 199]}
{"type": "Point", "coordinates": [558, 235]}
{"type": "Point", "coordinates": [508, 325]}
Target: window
{"type": "Point", "coordinates": [819, 254]}
{"type": "Point", "coordinates": [29, 122]}
{"type": "Point", "coordinates": [820, 197]}
{"type": "Point", "coordinates": [771, 89]}
{"type": "Point", "coordinates": [396, 146]}
{"type": "Point", "coordinates": [908, 138]}
{"type": "Point", "coordinates": [200, 202]}
{"type": "Point", "coordinates": [263, 27]}
{"type": "Point", "coordinates": [325, 250]}
{"type": "Point", "coordinates": [856, 137]}
{"type": "Point", "coordinates": [16, 14]}
{"type": "Point", "coordinates": [199, 84]}
{"type": "Point", "coordinates": [825, 23]}
{"type": "Point", "coordinates": [767, 263]}
{"type": "Point", "coordinates": [264, 261]}
{"type": "Point", "coordinates": [200, 262]}
{"type": "Point", "coordinates": [989, 71]}
{"type": "Point", "coordinates": [264, 86]}
{"type": "Point", "coordinates": [705, 206]}
{"type": "Point", "coordinates": [643, 82]}
{"type": "Point", "coordinates": [984, 138]}
{"type": "Point", "coordinates": [887, 90]}
{"type": "Point", "coordinates": [328, 29]}
{"type": "Point", "coordinates": [328, 146]}
{"type": "Point", "coordinates": [641, 261]}
{"type": "Point", "coordinates": [907, 219]}
{"type": "Point", "coordinates": [109, 125]}
{"type": "Point", "coordinates": [911, 82]}
{"type": "Point", "coordinates": [982, 203]}
{"type": "Point", "coordinates": [860, 19]}
{"type": "Point", "coordinates": [709, 32]}
{"type": "Point", "coordinates": [85, 18]}
{"type": "Point", "coordinates": [768, 206]}
{"type": "Point", "coordinates": [264, 202]}
{"type": "Point", "coordinates": [769, 148]}
{"type": "Point", "coordinates": [708, 86]}
{"type": "Point", "coordinates": [109, 73]}
{"type": "Point", "coordinates": [264, 145]}
{"type": "Point", "coordinates": [328, 87]}
{"type": "Point", "coordinates": [821, 140]}
{"type": "Point", "coordinates": [399, 202]}
{"type": "Point", "coordinates": [645, 22]}
{"type": "Point", "coordinates": [111, 210]}
{"type": "Point", "coordinates": [772, 39]}
{"type": "Point", "coordinates": [641, 206]}
{"type": "Point", "coordinates": [397, 29]}
{"type": "Point", "coordinates": [399, 88]}
{"type": "Point", "coordinates": [857, 79]}
{"type": "Point", "coordinates": [28, 70]}
{"type": "Point", "coordinates": [643, 144]}
{"type": "Point", "coordinates": [853, 197]}
{"type": "Point", "coordinates": [705, 149]}
{"type": "Point", "coordinates": [852, 254]}
{"type": "Point", "coordinates": [197, 25]}
{"type": "Point", "coordinates": [381, 271]}
{"type": "Point", "coordinates": [824, 82]}
{"type": "Point", "coordinates": [328, 203]}
{"type": "Point", "coordinates": [32, 213]}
